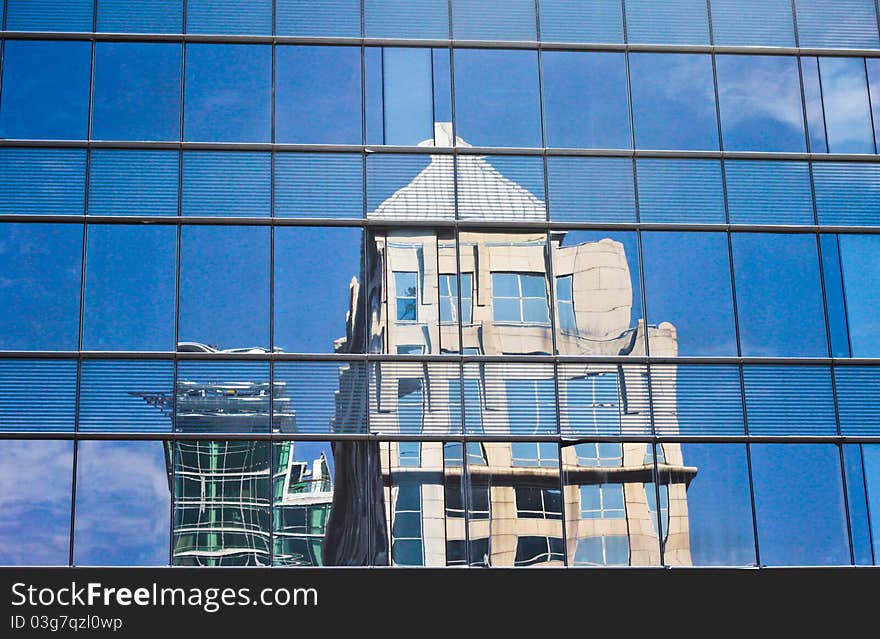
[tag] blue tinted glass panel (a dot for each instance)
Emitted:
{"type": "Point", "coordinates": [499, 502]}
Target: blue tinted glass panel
{"type": "Point", "coordinates": [397, 186]}
{"type": "Point", "coordinates": [585, 100]}
{"type": "Point", "coordinates": [145, 16]}
{"type": "Point", "coordinates": [35, 503]}
{"type": "Point", "coordinates": [687, 283]}
{"type": "Point", "coordinates": [50, 181]}
{"type": "Point", "coordinates": [338, 18]}
{"type": "Point", "coordinates": [130, 286]}
{"type": "Point", "coordinates": [130, 396]}
{"type": "Point", "coordinates": [45, 90]}
{"type": "Point", "coordinates": [497, 97]}
{"type": "Point", "coordinates": [860, 466]}
{"type": "Point", "coordinates": [872, 483]}
{"type": "Point", "coordinates": [227, 16]}
{"type": "Point", "coordinates": [581, 21]}
{"type": "Point", "coordinates": [860, 266]}
{"type": "Point", "coordinates": [493, 20]}
{"type": "Point", "coordinates": [760, 102]}
{"type": "Point", "coordinates": [406, 19]}
{"type": "Point", "coordinates": [228, 93]}
{"type": "Point", "coordinates": [318, 94]}
{"type": "Point", "coordinates": [517, 398]}
{"type": "Point", "coordinates": [41, 268]}
{"type": "Point", "coordinates": [847, 106]}
{"type": "Point", "coordinates": [123, 504]}
{"type": "Point", "coordinates": [834, 296]}
{"type": "Point", "coordinates": [669, 22]}
{"type": "Point", "coordinates": [133, 182]}
{"type": "Point", "coordinates": [51, 409]}
{"type": "Point", "coordinates": [222, 397]}
{"type": "Point", "coordinates": [319, 185]}
{"type": "Point", "coordinates": [593, 404]}
{"type": "Point", "coordinates": [49, 15]}
{"type": "Point", "coordinates": [405, 104]}
{"type": "Point", "coordinates": [857, 399]}
{"type": "Point", "coordinates": [842, 23]}
{"type": "Point", "coordinates": [768, 192]}
{"type": "Point", "coordinates": [224, 286]}
{"type": "Point", "coordinates": [813, 103]}
{"type": "Point", "coordinates": [789, 400]}
{"type": "Point", "coordinates": [306, 395]}
{"type": "Point", "coordinates": [799, 505]}
{"type": "Point", "coordinates": [873, 65]}
{"type": "Point", "coordinates": [719, 508]}
{"type": "Point", "coordinates": [226, 183]}
{"type": "Point", "coordinates": [668, 90]}
{"type": "Point", "coordinates": [680, 191]}
{"type": "Point", "coordinates": [753, 23]}
{"type": "Point", "coordinates": [591, 189]}
{"type": "Point", "coordinates": [696, 400]}
{"type": "Point", "coordinates": [847, 193]}
{"type": "Point", "coordinates": [137, 91]}
{"type": "Point", "coordinates": [779, 295]}
{"type": "Point", "coordinates": [500, 187]}
{"type": "Point", "coordinates": [312, 293]}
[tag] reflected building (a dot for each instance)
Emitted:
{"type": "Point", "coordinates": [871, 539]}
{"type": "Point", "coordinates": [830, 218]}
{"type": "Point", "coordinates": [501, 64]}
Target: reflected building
{"type": "Point", "coordinates": [499, 503]}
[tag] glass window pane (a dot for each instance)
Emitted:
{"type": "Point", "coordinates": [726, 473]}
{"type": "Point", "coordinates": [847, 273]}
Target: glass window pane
{"type": "Point", "coordinates": [129, 396]}
{"type": "Point", "coordinates": [133, 182]}
{"type": "Point", "coordinates": [130, 288]}
{"type": "Point", "coordinates": [403, 112]}
{"type": "Point", "coordinates": [606, 291]}
{"type": "Point", "coordinates": [871, 456]}
{"type": "Point", "coordinates": [847, 106]}
{"type": "Point", "coordinates": [753, 23]}
{"type": "Point", "coordinates": [319, 185]}
{"type": "Point", "coordinates": [591, 189]}
{"type": "Point", "coordinates": [147, 16]}
{"type": "Point", "coordinates": [581, 21]}
{"type": "Point", "coordinates": [862, 463]}
{"type": "Point", "coordinates": [228, 93]}
{"type": "Point", "coordinates": [847, 193]}
{"type": "Point", "coordinates": [856, 399]}
{"type": "Point", "coordinates": [696, 400]}
{"type": "Point", "coordinates": [45, 90]}
{"type": "Point", "coordinates": [680, 191]}
{"type": "Point", "coordinates": [224, 397]}
{"type": "Point", "coordinates": [493, 20]}
{"type": "Point", "coordinates": [687, 283]}
{"type": "Point", "coordinates": [842, 23]}
{"type": "Point", "coordinates": [222, 503]}
{"type": "Point", "coordinates": [137, 91]}
{"type": "Point", "coordinates": [406, 19]}
{"type": "Point", "coordinates": [122, 504]}
{"type": "Point", "coordinates": [224, 286]}
{"type": "Point", "coordinates": [719, 509]}
{"type": "Point", "coordinates": [760, 102]}
{"type": "Point", "coordinates": [41, 266]}
{"type": "Point", "coordinates": [414, 397]}
{"type": "Point", "coordinates": [49, 181]}
{"type": "Point", "coordinates": [761, 192]}
{"type": "Point", "coordinates": [410, 186]}
{"type": "Point", "coordinates": [337, 18]}
{"type": "Point", "coordinates": [227, 16]}
{"type": "Point", "coordinates": [319, 397]}
{"type": "Point", "coordinates": [585, 100]}
{"type": "Point", "coordinates": [834, 296]}
{"type": "Point", "coordinates": [497, 98]}
{"type": "Point", "coordinates": [49, 15]}
{"type": "Point", "coordinates": [35, 502]}
{"type": "Point", "coordinates": [669, 22]}
{"type": "Point", "coordinates": [779, 296]}
{"type": "Point", "coordinates": [51, 409]}
{"type": "Point", "coordinates": [226, 183]}
{"type": "Point", "coordinates": [813, 102]}
{"type": "Point", "coordinates": [313, 294]}
{"type": "Point", "coordinates": [860, 268]}
{"type": "Point", "coordinates": [667, 90]}
{"type": "Point", "coordinates": [505, 187]}
{"type": "Point", "coordinates": [874, 94]}
{"type": "Point", "coordinates": [789, 400]}
{"type": "Point", "coordinates": [318, 94]}
{"type": "Point", "coordinates": [799, 503]}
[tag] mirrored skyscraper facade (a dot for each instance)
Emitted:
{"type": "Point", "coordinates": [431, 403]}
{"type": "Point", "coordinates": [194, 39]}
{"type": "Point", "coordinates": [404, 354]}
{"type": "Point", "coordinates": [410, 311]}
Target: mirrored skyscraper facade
{"type": "Point", "coordinates": [461, 283]}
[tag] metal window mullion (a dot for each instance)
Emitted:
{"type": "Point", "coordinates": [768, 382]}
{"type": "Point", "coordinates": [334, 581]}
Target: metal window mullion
{"type": "Point", "coordinates": [871, 101]}
{"type": "Point", "coordinates": [822, 104]}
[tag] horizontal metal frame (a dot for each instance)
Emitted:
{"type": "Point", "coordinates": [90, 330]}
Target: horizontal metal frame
{"type": "Point", "coordinates": [447, 359]}
{"type": "Point", "coordinates": [469, 225]}
{"type": "Point", "coordinates": [378, 149]}
{"type": "Point", "coordinates": [563, 440]}
{"type": "Point", "coordinates": [436, 42]}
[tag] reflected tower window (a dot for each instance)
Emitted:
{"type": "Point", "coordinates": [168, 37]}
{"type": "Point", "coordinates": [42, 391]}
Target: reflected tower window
{"type": "Point", "coordinates": [520, 298]}
{"type": "Point", "coordinates": [406, 289]}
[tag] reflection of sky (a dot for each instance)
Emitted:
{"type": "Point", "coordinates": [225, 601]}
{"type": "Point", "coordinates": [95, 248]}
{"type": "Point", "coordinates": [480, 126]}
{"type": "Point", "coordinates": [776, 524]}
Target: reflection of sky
{"type": "Point", "coordinates": [122, 504]}
{"type": "Point", "coordinates": [860, 264]}
{"type": "Point", "coordinates": [35, 479]}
